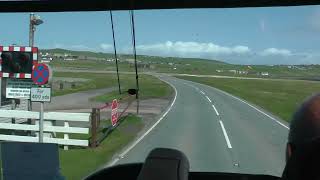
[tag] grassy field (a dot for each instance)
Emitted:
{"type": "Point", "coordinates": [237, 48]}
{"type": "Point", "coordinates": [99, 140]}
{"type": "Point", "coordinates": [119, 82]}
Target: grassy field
{"type": "Point", "coordinates": [183, 65]}
{"type": "Point", "coordinates": [96, 81]}
{"type": "Point", "coordinates": [91, 159]}
{"type": "Point", "coordinates": [281, 97]}
{"type": "Point", "coordinates": [150, 87]}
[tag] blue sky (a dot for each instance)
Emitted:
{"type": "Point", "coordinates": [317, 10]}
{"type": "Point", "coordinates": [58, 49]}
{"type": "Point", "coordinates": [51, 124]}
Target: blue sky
{"type": "Point", "coordinates": [277, 35]}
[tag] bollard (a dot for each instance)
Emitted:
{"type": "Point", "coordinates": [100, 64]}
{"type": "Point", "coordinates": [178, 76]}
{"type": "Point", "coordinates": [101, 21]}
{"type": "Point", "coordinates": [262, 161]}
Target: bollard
{"type": "Point", "coordinates": [73, 85]}
{"type": "Point", "coordinates": [61, 86]}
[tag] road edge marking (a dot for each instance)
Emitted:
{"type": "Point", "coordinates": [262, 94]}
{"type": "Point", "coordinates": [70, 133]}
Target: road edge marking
{"type": "Point", "coordinates": [225, 135]}
{"type": "Point", "coordinates": [150, 129]}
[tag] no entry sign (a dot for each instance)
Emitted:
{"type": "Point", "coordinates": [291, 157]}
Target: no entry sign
{"type": "Point", "coordinates": [40, 74]}
{"type": "Point", "coordinates": [114, 112]}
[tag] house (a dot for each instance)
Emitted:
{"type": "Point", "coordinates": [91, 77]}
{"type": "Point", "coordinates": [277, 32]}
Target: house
{"type": "Point", "coordinates": [233, 71]}
{"type": "Point", "coordinates": [264, 74]}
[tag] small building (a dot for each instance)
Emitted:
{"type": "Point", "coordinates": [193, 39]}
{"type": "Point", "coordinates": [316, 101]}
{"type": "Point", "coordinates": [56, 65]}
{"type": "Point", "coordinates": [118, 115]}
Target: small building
{"type": "Point", "coordinates": [233, 71]}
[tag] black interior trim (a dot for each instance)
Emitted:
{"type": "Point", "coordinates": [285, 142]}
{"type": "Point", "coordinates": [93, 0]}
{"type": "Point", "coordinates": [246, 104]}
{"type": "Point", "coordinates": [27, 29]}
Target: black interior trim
{"type": "Point", "coordinates": [103, 5]}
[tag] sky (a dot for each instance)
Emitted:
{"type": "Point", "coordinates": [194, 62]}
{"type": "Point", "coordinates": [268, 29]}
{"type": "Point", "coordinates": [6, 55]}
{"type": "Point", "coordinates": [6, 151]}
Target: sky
{"type": "Point", "coordinates": [275, 35]}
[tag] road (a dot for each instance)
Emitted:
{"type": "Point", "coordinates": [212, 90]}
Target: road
{"type": "Point", "coordinates": [218, 132]}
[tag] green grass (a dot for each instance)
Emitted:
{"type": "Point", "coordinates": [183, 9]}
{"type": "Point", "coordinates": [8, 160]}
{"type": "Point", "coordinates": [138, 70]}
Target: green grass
{"type": "Point", "coordinates": [150, 87]}
{"type": "Point", "coordinates": [96, 81]}
{"type": "Point", "coordinates": [281, 97]}
{"type": "Point", "coordinates": [78, 163]}
{"type": "Point", "coordinates": [183, 65]}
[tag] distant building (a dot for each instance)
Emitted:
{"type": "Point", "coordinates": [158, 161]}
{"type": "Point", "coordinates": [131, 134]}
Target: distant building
{"type": "Point", "coordinates": [264, 74]}
{"type": "Point", "coordinates": [233, 71]}
{"type": "Point", "coordinates": [242, 72]}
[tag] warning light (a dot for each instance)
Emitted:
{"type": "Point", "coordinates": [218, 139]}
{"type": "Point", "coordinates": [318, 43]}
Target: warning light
{"type": "Point", "coordinates": [16, 62]}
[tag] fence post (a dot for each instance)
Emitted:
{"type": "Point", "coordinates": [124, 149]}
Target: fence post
{"type": "Point", "coordinates": [98, 119]}
{"type": "Point", "coordinates": [66, 136]}
{"type": "Point", "coordinates": [93, 142]}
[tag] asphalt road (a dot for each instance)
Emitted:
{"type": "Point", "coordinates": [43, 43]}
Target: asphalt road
{"type": "Point", "coordinates": [216, 131]}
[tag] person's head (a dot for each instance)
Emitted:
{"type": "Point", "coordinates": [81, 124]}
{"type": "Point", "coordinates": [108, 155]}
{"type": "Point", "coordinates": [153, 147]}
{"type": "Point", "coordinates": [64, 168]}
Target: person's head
{"type": "Point", "coordinates": [305, 124]}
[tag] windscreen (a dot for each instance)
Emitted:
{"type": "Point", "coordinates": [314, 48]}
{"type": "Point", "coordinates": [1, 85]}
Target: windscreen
{"type": "Point", "coordinates": [220, 85]}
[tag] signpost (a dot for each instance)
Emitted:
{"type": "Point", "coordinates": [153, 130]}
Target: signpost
{"type": "Point", "coordinates": [114, 112]}
{"type": "Point", "coordinates": [40, 76]}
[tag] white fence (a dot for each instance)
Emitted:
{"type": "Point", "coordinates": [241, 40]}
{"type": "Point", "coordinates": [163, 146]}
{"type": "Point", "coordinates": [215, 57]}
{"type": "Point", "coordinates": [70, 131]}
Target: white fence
{"type": "Point", "coordinates": [22, 106]}
{"type": "Point", "coordinates": [48, 116]}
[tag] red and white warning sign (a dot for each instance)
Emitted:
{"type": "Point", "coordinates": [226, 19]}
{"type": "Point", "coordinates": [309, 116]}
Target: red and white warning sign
{"type": "Point", "coordinates": [114, 112]}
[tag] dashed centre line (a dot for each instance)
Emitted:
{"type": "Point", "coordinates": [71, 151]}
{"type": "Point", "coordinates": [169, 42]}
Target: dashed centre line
{"type": "Point", "coordinates": [215, 110]}
{"type": "Point", "coordinates": [225, 135]}
{"type": "Point", "coordinates": [209, 99]}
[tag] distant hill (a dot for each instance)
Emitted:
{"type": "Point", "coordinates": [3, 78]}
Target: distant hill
{"type": "Point", "coordinates": [129, 56]}
{"type": "Point", "coordinates": [78, 53]}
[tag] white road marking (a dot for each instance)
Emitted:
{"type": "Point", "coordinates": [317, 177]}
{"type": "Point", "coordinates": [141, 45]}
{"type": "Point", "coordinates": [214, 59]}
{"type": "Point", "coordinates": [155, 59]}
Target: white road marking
{"type": "Point", "coordinates": [208, 99]}
{"type": "Point", "coordinates": [149, 130]}
{"type": "Point", "coordinates": [280, 123]}
{"type": "Point", "coordinates": [215, 110]}
{"type": "Point", "coordinates": [202, 92]}
{"type": "Point", "coordinates": [225, 135]}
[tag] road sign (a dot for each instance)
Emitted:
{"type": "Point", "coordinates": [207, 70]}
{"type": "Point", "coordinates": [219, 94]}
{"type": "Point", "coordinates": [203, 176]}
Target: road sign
{"type": "Point", "coordinates": [40, 94]}
{"type": "Point", "coordinates": [40, 74]}
{"type": "Point", "coordinates": [18, 88]}
{"type": "Point", "coordinates": [114, 112]}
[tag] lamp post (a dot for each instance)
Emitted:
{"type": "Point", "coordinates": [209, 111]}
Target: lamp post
{"type": "Point", "coordinates": [34, 21]}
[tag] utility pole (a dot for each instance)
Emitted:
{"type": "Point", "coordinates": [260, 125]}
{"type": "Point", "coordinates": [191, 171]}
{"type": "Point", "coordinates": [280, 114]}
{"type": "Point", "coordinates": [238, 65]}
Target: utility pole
{"type": "Point", "coordinates": [115, 51]}
{"type": "Point", "coordinates": [135, 58]}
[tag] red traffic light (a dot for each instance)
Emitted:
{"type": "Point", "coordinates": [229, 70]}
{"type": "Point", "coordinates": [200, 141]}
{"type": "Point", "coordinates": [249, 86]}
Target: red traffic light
{"type": "Point", "coordinates": [16, 62]}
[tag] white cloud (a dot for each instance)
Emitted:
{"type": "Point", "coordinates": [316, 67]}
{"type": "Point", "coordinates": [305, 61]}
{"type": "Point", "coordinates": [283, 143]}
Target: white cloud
{"type": "Point", "coordinates": [77, 47]}
{"type": "Point", "coordinates": [81, 47]}
{"type": "Point", "coordinates": [181, 48]}
{"type": "Point", "coordinates": [106, 47]}
{"type": "Point", "coordinates": [275, 51]}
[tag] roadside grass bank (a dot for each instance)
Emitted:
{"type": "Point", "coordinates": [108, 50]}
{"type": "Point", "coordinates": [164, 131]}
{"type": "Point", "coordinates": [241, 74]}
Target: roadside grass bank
{"type": "Point", "coordinates": [278, 97]}
{"type": "Point", "coordinates": [76, 163]}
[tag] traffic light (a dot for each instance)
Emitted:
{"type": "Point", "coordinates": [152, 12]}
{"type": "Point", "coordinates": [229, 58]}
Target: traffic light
{"type": "Point", "coordinates": [16, 62]}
